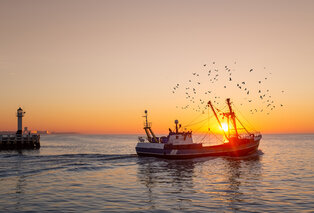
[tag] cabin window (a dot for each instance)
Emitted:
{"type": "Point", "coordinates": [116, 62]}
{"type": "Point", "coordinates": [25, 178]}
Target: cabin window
{"type": "Point", "coordinates": [177, 137]}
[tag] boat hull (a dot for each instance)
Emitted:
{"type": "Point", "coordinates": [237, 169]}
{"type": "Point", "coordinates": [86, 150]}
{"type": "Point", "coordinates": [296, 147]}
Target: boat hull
{"type": "Point", "coordinates": [196, 150]}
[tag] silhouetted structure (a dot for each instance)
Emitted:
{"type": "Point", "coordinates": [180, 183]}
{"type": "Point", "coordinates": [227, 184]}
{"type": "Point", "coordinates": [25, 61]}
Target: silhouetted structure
{"type": "Point", "coordinates": [19, 140]}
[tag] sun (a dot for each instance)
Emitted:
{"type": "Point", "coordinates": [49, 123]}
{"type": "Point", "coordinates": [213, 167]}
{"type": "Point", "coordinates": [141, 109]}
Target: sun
{"type": "Point", "coordinates": [224, 127]}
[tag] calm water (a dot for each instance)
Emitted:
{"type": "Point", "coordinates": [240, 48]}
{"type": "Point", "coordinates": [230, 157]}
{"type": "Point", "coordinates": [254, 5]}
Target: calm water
{"type": "Point", "coordinates": [101, 173]}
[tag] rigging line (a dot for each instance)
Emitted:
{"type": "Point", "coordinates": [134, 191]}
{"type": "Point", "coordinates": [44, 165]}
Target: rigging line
{"type": "Point", "coordinates": [200, 134]}
{"type": "Point", "coordinates": [244, 117]}
{"type": "Point", "coordinates": [219, 110]}
{"type": "Point", "coordinates": [217, 138]}
{"type": "Point", "coordinates": [193, 120]}
{"type": "Point", "coordinates": [220, 140]}
{"type": "Point", "coordinates": [208, 116]}
{"type": "Point", "coordinates": [243, 126]}
{"type": "Point", "coordinates": [195, 123]}
{"type": "Point", "coordinates": [203, 138]}
{"type": "Point", "coordinates": [251, 125]}
{"type": "Point", "coordinates": [204, 134]}
{"type": "Point", "coordinates": [208, 126]}
{"type": "Point", "coordinates": [201, 125]}
{"type": "Point", "coordinates": [209, 131]}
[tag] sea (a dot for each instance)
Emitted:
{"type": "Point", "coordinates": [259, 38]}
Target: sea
{"type": "Point", "coordinates": [102, 173]}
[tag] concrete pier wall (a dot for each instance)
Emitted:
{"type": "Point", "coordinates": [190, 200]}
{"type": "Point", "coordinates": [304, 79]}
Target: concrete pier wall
{"type": "Point", "coordinates": [17, 141]}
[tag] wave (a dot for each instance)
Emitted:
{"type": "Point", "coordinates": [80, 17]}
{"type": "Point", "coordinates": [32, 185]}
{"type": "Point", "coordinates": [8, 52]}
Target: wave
{"type": "Point", "coordinates": [27, 165]}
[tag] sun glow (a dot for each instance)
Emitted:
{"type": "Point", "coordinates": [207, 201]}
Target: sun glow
{"type": "Point", "coordinates": [224, 127]}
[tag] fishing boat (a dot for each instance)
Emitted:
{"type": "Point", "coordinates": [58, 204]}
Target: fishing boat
{"type": "Point", "coordinates": [179, 144]}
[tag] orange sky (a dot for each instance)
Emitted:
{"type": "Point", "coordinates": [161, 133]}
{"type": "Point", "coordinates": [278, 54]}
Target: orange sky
{"type": "Point", "coordinates": [95, 66]}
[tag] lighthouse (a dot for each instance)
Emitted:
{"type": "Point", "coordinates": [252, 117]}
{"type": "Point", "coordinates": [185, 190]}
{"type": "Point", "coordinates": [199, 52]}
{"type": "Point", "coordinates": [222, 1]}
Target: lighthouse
{"type": "Point", "coordinates": [19, 141]}
{"type": "Point", "coordinates": [19, 114]}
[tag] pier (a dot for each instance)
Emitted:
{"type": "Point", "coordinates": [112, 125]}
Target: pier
{"type": "Point", "coordinates": [20, 140]}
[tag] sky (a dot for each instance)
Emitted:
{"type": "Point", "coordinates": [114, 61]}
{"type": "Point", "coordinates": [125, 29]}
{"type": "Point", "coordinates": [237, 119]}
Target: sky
{"type": "Point", "coordinates": [95, 66]}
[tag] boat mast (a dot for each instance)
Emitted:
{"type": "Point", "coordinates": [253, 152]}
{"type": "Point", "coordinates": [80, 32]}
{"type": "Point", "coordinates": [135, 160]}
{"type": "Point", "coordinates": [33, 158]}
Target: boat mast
{"type": "Point", "coordinates": [232, 116]}
{"type": "Point", "coordinates": [228, 126]}
{"type": "Point", "coordinates": [211, 106]}
{"type": "Point", "coordinates": [148, 130]}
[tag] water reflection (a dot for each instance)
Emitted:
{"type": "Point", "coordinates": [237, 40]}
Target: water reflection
{"type": "Point", "coordinates": [222, 180]}
{"type": "Point", "coordinates": [166, 176]}
{"type": "Point", "coordinates": [20, 181]}
{"type": "Point", "coordinates": [242, 175]}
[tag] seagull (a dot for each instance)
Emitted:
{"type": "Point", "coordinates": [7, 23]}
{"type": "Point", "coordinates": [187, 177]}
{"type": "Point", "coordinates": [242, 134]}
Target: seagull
{"type": "Point", "coordinates": [230, 79]}
{"type": "Point", "coordinates": [204, 65]}
{"type": "Point", "coordinates": [251, 70]}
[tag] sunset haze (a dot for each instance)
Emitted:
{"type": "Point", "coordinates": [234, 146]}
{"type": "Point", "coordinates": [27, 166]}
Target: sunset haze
{"type": "Point", "coordinates": [95, 66]}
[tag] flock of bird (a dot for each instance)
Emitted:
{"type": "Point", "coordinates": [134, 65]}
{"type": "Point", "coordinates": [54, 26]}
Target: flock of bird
{"type": "Point", "coordinates": [209, 83]}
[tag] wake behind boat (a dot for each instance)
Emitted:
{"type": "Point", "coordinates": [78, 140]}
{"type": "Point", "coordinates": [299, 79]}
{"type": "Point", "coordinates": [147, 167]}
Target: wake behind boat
{"type": "Point", "coordinates": [178, 145]}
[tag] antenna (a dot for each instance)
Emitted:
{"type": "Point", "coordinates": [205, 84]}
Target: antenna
{"type": "Point", "coordinates": [146, 124]}
{"type": "Point", "coordinates": [176, 122]}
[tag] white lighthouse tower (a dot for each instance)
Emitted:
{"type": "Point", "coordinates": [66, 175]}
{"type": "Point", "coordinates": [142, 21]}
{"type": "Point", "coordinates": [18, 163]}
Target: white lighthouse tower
{"type": "Point", "coordinates": [19, 114]}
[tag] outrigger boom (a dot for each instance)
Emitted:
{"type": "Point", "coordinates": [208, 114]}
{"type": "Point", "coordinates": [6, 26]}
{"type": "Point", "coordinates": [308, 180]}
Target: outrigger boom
{"type": "Point", "coordinates": [229, 115]}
